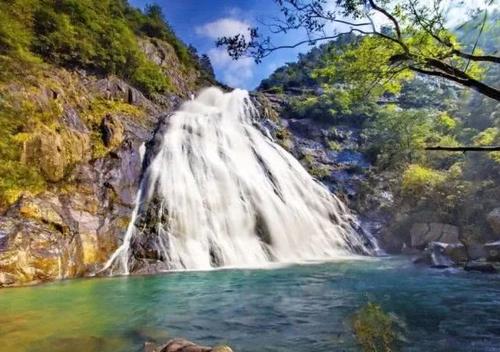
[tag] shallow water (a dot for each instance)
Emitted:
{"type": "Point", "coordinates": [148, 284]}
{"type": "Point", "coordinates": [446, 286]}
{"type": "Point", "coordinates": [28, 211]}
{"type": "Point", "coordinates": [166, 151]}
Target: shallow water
{"type": "Point", "coordinates": [295, 308]}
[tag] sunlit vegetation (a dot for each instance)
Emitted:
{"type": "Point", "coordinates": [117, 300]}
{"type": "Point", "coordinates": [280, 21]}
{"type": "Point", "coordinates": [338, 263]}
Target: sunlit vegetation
{"type": "Point", "coordinates": [374, 329]}
{"type": "Point", "coordinates": [99, 36]}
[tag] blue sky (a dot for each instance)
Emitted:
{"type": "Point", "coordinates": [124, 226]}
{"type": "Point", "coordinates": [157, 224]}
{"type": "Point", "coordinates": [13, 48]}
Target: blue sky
{"type": "Point", "coordinates": [200, 22]}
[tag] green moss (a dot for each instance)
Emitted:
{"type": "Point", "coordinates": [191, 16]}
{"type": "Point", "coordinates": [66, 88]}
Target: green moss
{"type": "Point", "coordinates": [98, 108]}
{"type": "Point", "coordinates": [16, 178]}
{"type": "Point", "coordinates": [315, 169]}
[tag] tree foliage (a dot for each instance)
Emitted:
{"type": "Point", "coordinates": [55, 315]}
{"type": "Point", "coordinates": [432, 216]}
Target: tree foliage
{"type": "Point", "coordinates": [415, 37]}
{"type": "Point", "coordinates": [97, 35]}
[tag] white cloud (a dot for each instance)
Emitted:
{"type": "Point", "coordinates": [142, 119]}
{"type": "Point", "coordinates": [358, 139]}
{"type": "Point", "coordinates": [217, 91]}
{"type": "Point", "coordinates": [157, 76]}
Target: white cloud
{"type": "Point", "coordinates": [233, 72]}
{"type": "Point", "coordinates": [223, 27]}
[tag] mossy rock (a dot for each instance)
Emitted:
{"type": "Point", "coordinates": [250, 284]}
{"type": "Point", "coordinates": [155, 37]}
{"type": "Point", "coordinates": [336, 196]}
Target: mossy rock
{"type": "Point", "coordinates": [54, 152]}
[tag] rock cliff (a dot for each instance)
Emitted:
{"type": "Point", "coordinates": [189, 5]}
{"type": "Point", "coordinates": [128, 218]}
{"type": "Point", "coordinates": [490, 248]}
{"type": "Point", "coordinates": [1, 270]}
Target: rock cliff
{"type": "Point", "coordinates": [83, 140]}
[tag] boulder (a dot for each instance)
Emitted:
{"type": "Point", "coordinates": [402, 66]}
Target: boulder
{"type": "Point", "coordinates": [493, 219]}
{"type": "Point", "coordinates": [480, 267]}
{"type": "Point", "coordinates": [35, 252]}
{"type": "Point", "coordinates": [423, 233]}
{"type": "Point", "coordinates": [54, 151]}
{"type": "Point", "coordinates": [492, 250]}
{"type": "Point", "coordinates": [445, 254]}
{"type": "Point", "coordinates": [476, 251]}
{"type": "Point", "coordinates": [182, 345]}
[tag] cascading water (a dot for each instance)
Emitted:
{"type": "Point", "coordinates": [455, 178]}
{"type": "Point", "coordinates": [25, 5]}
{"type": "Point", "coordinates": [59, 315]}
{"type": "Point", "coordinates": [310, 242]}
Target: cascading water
{"type": "Point", "coordinates": [227, 195]}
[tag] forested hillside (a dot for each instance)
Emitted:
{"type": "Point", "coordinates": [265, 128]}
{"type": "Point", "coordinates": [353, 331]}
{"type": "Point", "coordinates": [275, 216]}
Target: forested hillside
{"type": "Point", "coordinates": [397, 120]}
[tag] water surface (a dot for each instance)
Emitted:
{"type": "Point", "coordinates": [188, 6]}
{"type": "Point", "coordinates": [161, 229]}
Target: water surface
{"type": "Point", "coordinates": [296, 308]}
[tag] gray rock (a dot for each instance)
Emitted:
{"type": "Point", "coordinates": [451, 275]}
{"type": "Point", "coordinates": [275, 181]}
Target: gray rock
{"type": "Point", "coordinates": [480, 267]}
{"type": "Point", "coordinates": [493, 219]}
{"type": "Point", "coordinates": [423, 233]}
{"type": "Point", "coordinates": [476, 251]}
{"type": "Point", "coordinates": [112, 131]}
{"type": "Point", "coordinates": [446, 254]}
{"type": "Point", "coordinates": [442, 255]}
{"type": "Point", "coordinates": [492, 250]}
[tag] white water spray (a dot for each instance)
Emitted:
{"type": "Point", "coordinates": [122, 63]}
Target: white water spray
{"type": "Point", "coordinates": [230, 196]}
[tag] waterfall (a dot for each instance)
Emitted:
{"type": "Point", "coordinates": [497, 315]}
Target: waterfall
{"type": "Point", "coordinates": [221, 193]}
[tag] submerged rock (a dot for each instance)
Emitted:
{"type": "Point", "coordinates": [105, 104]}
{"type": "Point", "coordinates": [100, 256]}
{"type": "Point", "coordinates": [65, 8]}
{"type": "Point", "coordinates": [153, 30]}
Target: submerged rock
{"type": "Point", "coordinates": [480, 267]}
{"type": "Point", "coordinates": [182, 345]}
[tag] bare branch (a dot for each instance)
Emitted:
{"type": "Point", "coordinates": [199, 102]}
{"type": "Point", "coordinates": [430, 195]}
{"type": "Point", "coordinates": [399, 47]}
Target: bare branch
{"type": "Point", "coordinates": [389, 16]}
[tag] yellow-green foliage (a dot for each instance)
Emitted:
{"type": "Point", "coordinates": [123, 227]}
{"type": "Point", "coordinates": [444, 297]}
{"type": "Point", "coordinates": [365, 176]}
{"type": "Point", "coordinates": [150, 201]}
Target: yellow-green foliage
{"type": "Point", "coordinates": [446, 122]}
{"type": "Point", "coordinates": [93, 116]}
{"type": "Point", "coordinates": [418, 179]}
{"type": "Point", "coordinates": [374, 329]}
{"type": "Point", "coordinates": [16, 178]}
{"type": "Point", "coordinates": [490, 136]}
{"type": "Point", "coordinates": [315, 169]}
{"type": "Point", "coordinates": [361, 65]}
{"type": "Point", "coordinates": [333, 103]}
{"type": "Point", "coordinates": [20, 114]}
{"type": "Point", "coordinates": [334, 145]}
{"type": "Point", "coordinates": [98, 108]}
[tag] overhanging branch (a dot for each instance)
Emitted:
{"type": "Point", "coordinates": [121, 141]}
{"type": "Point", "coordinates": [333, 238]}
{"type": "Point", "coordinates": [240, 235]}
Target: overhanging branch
{"type": "Point", "coordinates": [486, 148]}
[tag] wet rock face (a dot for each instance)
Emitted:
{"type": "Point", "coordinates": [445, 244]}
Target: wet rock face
{"type": "Point", "coordinates": [330, 152]}
{"type": "Point", "coordinates": [480, 267]}
{"type": "Point", "coordinates": [441, 255]}
{"type": "Point", "coordinates": [54, 153]}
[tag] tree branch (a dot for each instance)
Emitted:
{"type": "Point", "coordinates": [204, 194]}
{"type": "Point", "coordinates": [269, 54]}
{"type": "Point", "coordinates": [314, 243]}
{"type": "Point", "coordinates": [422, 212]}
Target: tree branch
{"type": "Point", "coordinates": [489, 58]}
{"type": "Point", "coordinates": [489, 148]}
{"type": "Point", "coordinates": [305, 41]}
{"type": "Point", "coordinates": [389, 16]}
{"type": "Point", "coordinates": [455, 75]}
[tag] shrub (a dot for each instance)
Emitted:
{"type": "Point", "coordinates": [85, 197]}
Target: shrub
{"type": "Point", "coordinates": [489, 136]}
{"type": "Point", "coordinates": [374, 329]}
{"type": "Point", "coordinates": [419, 180]}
